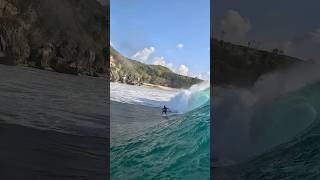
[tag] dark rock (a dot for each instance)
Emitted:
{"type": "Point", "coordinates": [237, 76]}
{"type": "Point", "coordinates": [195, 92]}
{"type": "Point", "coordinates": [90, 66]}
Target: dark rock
{"type": "Point", "coordinates": [14, 46]}
{"type": "Point", "coordinates": [69, 39]}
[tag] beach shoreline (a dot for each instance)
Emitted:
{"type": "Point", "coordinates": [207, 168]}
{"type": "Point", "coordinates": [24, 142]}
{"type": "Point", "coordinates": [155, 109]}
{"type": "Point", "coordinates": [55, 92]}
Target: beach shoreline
{"type": "Point", "coordinates": [160, 87]}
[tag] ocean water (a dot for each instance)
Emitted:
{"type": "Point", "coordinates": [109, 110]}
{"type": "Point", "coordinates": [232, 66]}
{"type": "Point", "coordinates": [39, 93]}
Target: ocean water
{"type": "Point", "coordinates": [145, 145]}
{"type": "Point", "coordinates": [294, 141]}
{"type": "Point", "coordinates": [254, 121]}
{"type": "Point", "coordinates": [53, 101]}
{"type": "Point", "coordinates": [52, 125]}
{"type": "Point", "coordinates": [271, 131]}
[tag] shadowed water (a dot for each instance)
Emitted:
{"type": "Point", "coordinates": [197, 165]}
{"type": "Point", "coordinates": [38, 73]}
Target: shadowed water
{"type": "Point", "coordinates": [298, 131]}
{"type": "Point", "coordinates": [53, 126]}
{"type": "Point", "coordinates": [53, 101]}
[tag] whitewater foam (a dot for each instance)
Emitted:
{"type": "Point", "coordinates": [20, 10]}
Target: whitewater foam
{"type": "Point", "coordinates": [258, 116]}
{"type": "Point", "coordinates": [178, 100]}
{"type": "Point", "coordinates": [141, 95]}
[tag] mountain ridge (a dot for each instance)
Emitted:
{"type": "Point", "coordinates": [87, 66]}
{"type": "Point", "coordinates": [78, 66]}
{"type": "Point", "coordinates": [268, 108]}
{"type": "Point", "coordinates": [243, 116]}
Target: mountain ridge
{"type": "Point", "coordinates": [242, 66]}
{"type": "Point", "coordinates": [125, 70]}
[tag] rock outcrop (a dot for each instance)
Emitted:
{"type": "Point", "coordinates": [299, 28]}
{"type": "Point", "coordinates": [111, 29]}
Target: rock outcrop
{"type": "Point", "coordinates": [62, 35]}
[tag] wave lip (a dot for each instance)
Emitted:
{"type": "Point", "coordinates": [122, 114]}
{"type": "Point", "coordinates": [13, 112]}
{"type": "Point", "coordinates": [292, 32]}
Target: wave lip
{"type": "Point", "coordinates": [279, 107]}
{"type": "Point", "coordinates": [192, 98]}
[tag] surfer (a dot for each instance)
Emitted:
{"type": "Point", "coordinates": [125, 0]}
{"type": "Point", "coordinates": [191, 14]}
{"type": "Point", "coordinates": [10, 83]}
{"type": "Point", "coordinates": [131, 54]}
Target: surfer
{"type": "Point", "coordinates": [164, 110]}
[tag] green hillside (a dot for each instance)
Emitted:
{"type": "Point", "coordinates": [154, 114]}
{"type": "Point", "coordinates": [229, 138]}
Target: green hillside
{"type": "Point", "coordinates": [242, 66]}
{"type": "Point", "coordinates": [130, 71]}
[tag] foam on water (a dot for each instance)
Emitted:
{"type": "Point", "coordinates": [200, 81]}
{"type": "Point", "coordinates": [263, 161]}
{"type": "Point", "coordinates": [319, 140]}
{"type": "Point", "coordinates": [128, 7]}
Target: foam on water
{"type": "Point", "coordinates": [297, 157]}
{"type": "Point", "coordinates": [141, 95]}
{"type": "Point", "coordinates": [276, 109]}
{"type": "Point", "coordinates": [178, 100]}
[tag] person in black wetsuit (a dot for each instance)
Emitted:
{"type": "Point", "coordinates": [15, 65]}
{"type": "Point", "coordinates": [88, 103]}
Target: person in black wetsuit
{"type": "Point", "coordinates": [164, 110]}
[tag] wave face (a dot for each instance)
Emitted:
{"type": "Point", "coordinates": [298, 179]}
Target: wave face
{"type": "Point", "coordinates": [187, 100]}
{"type": "Point", "coordinates": [278, 109]}
{"type": "Point", "coordinates": [255, 126]}
{"type": "Point", "coordinates": [176, 148]}
{"type": "Point", "coordinates": [296, 116]}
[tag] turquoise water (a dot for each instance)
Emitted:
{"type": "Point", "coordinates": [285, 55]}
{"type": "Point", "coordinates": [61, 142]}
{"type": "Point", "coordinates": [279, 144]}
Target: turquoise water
{"type": "Point", "coordinates": [293, 121]}
{"type": "Point", "coordinates": [178, 147]}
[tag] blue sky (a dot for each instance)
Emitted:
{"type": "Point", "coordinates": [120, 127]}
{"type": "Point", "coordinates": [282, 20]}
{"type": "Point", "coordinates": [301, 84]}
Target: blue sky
{"type": "Point", "coordinates": [173, 33]}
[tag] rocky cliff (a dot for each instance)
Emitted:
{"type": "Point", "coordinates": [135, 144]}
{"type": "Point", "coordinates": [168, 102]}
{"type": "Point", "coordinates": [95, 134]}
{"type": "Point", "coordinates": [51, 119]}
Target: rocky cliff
{"type": "Point", "coordinates": [129, 71]}
{"type": "Point", "coordinates": [242, 66]}
{"type": "Point", "coordinates": [68, 36]}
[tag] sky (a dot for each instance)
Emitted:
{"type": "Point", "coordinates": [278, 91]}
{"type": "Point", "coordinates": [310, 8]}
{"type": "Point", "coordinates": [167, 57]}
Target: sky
{"type": "Point", "coordinates": [289, 25]}
{"type": "Point", "coordinates": [175, 34]}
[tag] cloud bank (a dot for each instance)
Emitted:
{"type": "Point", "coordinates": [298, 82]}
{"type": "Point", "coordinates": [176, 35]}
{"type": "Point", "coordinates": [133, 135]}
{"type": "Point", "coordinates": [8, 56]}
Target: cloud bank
{"type": "Point", "coordinates": [144, 54]}
{"type": "Point", "coordinates": [234, 27]}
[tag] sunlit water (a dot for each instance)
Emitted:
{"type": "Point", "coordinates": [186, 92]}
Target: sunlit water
{"type": "Point", "coordinates": [145, 145]}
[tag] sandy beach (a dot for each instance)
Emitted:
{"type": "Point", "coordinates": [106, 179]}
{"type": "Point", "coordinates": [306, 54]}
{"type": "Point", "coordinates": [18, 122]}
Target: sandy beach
{"type": "Point", "coordinates": [160, 87]}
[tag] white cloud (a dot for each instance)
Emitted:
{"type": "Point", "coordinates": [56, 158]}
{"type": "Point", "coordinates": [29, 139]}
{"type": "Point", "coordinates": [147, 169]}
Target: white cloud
{"type": "Point", "coordinates": [161, 61]}
{"type": "Point", "coordinates": [204, 76]}
{"type": "Point", "coordinates": [144, 54]}
{"type": "Point", "coordinates": [180, 46]}
{"type": "Point", "coordinates": [234, 27]}
{"type": "Point", "coordinates": [111, 43]}
{"type": "Point", "coordinates": [183, 70]}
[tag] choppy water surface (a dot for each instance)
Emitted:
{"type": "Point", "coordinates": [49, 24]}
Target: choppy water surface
{"type": "Point", "coordinates": [53, 101]}
{"type": "Point", "coordinates": [145, 145]}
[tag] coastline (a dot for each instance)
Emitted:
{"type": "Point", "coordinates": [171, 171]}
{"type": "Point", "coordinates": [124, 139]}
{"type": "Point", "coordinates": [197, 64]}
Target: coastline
{"type": "Point", "coordinates": [160, 87]}
{"type": "Point", "coordinates": [26, 66]}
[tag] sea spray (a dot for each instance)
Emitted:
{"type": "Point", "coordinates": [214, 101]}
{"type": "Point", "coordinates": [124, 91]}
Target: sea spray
{"type": "Point", "coordinates": [178, 100]}
{"type": "Point", "coordinates": [189, 99]}
{"type": "Point", "coordinates": [256, 119]}
{"type": "Point", "coordinates": [297, 157]}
